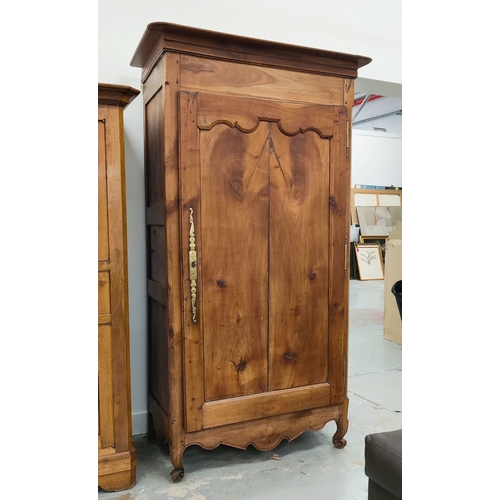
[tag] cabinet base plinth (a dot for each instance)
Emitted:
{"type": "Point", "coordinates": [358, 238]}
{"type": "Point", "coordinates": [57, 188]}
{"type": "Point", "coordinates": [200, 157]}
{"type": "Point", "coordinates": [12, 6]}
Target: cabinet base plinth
{"type": "Point", "coordinates": [117, 471]}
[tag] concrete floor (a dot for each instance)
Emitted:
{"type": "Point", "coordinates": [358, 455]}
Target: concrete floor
{"type": "Point", "coordinates": [309, 466]}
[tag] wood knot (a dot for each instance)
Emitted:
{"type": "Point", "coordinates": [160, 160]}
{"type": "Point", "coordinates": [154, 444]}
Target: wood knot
{"type": "Point", "coordinates": [240, 366]}
{"type": "Point", "coordinates": [291, 357]}
{"type": "Point", "coordinates": [312, 276]}
{"type": "Point", "coordinates": [221, 283]}
{"type": "Point", "coordinates": [264, 192]}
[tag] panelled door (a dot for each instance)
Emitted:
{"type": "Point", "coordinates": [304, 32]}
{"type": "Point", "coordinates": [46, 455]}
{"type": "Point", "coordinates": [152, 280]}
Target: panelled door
{"type": "Point", "coordinates": [106, 438]}
{"type": "Point", "coordinates": [257, 237]}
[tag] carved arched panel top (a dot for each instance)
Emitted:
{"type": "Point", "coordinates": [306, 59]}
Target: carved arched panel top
{"type": "Point", "coordinates": [246, 113]}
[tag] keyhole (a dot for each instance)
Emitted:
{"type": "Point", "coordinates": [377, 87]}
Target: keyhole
{"type": "Point", "coordinates": [193, 264]}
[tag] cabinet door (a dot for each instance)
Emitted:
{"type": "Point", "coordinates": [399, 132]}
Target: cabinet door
{"type": "Point", "coordinates": [106, 436]}
{"type": "Point", "coordinates": [256, 183]}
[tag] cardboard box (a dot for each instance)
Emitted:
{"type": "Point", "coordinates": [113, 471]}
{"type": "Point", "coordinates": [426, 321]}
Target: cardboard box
{"type": "Point", "coordinates": [393, 327]}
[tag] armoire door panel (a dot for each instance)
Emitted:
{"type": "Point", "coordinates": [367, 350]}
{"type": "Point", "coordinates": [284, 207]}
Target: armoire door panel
{"type": "Point", "coordinates": [298, 330]}
{"type": "Point", "coordinates": [256, 179]}
{"type": "Point", "coordinates": [268, 404]}
{"type": "Point", "coordinates": [234, 280]}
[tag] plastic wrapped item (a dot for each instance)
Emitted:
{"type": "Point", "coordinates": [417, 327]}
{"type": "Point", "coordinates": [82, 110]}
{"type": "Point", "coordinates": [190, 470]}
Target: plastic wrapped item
{"type": "Point", "coordinates": [397, 291]}
{"type": "Point", "coordinates": [354, 233]}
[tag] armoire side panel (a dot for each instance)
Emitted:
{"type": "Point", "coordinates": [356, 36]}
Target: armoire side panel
{"type": "Point", "coordinates": [156, 246]}
{"type": "Point", "coordinates": [158, 354]}
{"type": "Point", "coordinates": [154, 137]}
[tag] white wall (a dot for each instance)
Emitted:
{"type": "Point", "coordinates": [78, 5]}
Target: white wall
{"type": "Point", "coordinates": [363, 27]}
{"type": "Point", "coordinates": [376, 158]}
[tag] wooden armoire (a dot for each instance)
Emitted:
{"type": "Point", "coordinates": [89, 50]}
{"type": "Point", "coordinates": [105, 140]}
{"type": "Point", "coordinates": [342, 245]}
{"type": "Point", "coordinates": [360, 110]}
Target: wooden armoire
{"type": "Point", "coordinates": [117, 461]}
{"type": "Point", "coordinates": [247, 147]}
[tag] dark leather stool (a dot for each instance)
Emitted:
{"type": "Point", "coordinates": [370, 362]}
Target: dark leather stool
{"type": "Point", "coordinates": [383, 465]}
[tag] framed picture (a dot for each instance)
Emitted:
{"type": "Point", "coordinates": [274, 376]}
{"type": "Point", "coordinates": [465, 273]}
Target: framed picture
{"type": "Point", "coordinates": [370, 240]}
{"type": "Point", "coordinates": [369, 259]}
{"type": "Point", "coordinates": [378, 221]}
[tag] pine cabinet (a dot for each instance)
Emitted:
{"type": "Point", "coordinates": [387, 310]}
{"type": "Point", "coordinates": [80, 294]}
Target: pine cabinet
{"type": "Point", "coordinates": [248, 180]}
{"type": "Point", "coordinates": [116, 453]}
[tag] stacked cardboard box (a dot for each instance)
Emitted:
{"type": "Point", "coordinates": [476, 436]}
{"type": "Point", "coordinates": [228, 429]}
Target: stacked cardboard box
{"type": "Point", "coordinates": [393, 273]}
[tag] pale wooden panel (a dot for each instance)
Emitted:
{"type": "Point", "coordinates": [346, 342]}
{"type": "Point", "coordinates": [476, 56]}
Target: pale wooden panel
{"type": "Point", "coordinates": [117, 471]}
{"type": "Point", "coordinates": [205, 75]}
{"type": "Point", "coordinates": [389, 200]}
{"type": "Point", "coordinates": [106, 427]}
{"type": "Point", "coordinates": [234, 229]}
{"type": "Point", "coordinates": [365, 200]}
{"type": "Point", "coordinates": [265, 405]}
{"type": "Point", "coordinates": [116, 463]}
{"type": "Point", "coordinates": [371, 197]}
{"type": "Point", "coordinates": [299, 214]}
{"type": "Point", "coordinates": [102, 188]}
{"type": "Point", "coordinates": [103, 318]}
{"type": "Point", "coordinates": [104, 293]}
{"type": "Point", "coordinates": [114, 409]}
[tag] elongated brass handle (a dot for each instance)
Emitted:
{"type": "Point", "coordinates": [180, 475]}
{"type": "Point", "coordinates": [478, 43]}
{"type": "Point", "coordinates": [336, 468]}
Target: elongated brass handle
{"type": "Point", "coordinates": [193, 264]}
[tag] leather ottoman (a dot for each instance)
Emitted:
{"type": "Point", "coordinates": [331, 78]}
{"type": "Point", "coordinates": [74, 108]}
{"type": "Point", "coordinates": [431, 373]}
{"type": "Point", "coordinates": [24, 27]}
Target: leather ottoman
{"type": "Point", "coordinates": [383, 465]}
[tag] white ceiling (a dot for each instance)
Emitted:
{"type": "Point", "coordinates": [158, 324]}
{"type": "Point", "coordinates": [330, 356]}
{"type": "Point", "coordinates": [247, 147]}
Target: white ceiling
{"type": "Point", "coordinates": [377, 113]}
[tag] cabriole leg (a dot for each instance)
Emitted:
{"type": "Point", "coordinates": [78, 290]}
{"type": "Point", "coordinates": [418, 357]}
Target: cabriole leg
{"type": "Point", "coordinates": [342, 425]}
{"type": "Point", "coordinates": [176, 458]}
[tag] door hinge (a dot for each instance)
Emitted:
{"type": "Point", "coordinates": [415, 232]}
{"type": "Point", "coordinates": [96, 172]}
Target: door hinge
{"type": "Point", "coordinates": [345, 256]}
{"type": "Point", "coordinates": [348, 136]}
{"type": "Point", "coordinates": [344, 374]}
